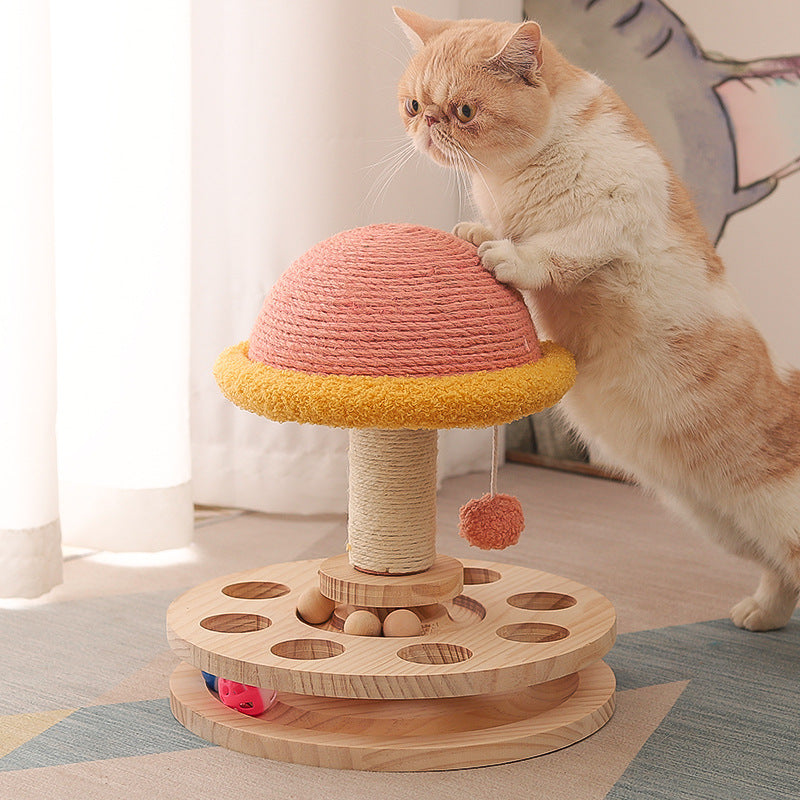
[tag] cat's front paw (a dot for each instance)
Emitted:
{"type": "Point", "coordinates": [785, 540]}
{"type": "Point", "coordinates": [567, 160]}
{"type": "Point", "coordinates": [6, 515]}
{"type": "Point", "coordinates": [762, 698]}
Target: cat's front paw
{"type": "Point", "coordinates": [473, 232]}
{"type": "Point", "coordinates": [500, 257]}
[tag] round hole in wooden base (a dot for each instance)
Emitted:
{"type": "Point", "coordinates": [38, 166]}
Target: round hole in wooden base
{"type": "Point", "coordinates": [435, 653]}
{"type": "Point", "coordinates": [542, 601]}
{"type": "Point", "coordinates": [533, 632]}
{"type": "Point", "coordinates": [474, 576]}
{"type": "Point", "coordinates": [307, 649]}
{"type": "Point", "coordinates": [465, 610]}
{"type": "Point", "coordinates": [235, 623]}
{"type": "Point", "coordinates": [404, 735]}
{"type": "Point", "coordinates": [255, 590]}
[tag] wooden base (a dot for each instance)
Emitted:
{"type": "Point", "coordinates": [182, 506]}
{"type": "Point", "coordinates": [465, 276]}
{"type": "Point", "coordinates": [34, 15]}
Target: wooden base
{"type": "Point", "coordinates": [508, 669]}
{"type": "Point", "coordinates": [404, 735]}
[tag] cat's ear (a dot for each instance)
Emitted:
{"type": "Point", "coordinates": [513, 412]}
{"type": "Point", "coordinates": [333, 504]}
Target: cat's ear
{"type": "Point", "coordinates": [521, 55]}
{"type": "Point", "coordinates": [418, 27]}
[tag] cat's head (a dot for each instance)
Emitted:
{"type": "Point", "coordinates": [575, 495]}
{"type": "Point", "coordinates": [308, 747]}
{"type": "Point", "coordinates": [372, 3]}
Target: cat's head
{"type": "Point", "coordinates": [473, 93]}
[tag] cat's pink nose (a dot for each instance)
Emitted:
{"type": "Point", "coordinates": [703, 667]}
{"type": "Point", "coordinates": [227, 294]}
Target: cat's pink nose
{"type": "Point", "coordinates": [430, 119]}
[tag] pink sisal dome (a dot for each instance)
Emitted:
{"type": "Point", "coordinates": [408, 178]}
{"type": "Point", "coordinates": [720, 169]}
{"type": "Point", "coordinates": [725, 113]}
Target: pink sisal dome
{"type": "Point", "coordinates": [392, 300]}
{"type": "Point", "coordinates": [393, 326]}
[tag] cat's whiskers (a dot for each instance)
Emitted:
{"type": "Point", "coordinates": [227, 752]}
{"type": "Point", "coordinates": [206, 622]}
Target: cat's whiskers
{"type": "Point", "coordinates": [477, 168]}
{"type": "Point", "coordinates": [403, 146]}
{"type": "Point", "coordinates": [526, 134]}
{"type": "Point", "coordinates": [390, 164]}
{"type": "Point", "coordinates": [459, 168]}
{"type": "Point", "coordinates": [460, 173]}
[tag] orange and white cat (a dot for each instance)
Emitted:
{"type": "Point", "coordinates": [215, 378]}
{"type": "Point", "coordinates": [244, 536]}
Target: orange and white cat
{"type": "Point", "coordinates": [583, 214]}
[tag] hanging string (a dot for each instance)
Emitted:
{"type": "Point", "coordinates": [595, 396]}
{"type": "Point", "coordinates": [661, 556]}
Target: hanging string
{"type": "Point", "coordinates": [495, 460]}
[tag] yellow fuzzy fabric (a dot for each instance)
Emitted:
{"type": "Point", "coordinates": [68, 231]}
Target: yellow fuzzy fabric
{"type": "Point", "coordinates": [472, 400]}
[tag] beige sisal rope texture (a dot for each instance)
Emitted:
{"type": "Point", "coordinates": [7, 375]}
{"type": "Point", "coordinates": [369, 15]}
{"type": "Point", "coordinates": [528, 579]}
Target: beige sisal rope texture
{"type": "Point", "coordinates": [392, 501]}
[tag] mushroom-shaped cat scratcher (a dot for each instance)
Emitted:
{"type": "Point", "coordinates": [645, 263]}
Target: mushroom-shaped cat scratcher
{"type": "Point", "coordinates": [395, 331]}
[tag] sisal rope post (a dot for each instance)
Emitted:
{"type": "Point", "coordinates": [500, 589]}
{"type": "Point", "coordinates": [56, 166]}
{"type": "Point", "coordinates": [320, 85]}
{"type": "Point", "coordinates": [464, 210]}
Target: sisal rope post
{"type": "Point", "coordinates": [392, 500]}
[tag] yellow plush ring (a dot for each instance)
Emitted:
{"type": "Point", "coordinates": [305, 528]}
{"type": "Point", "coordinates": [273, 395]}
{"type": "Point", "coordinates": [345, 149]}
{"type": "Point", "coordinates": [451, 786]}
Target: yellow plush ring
{"type": "Point", "coordinates": [471, 400]}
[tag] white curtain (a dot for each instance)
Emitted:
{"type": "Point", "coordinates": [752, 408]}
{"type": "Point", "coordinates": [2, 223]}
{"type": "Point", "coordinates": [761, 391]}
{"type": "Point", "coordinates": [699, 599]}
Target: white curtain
{"type": "Point", "coordinates": [94, 176]}
{"type": "Point", "coordinates": [294, 112]}
{"type": "Point", "coordinates": [246, 130]}
{"type": "Point", "coordinates": [122, 135]}
{"type": "Point", "coordinates": [30, 540]}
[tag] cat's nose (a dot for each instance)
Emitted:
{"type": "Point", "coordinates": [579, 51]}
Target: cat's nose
{"type": "Point", "coordinates": [431, 119]}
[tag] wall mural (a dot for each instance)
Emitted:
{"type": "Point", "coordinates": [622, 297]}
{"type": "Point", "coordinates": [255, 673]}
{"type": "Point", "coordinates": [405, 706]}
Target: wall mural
{"type": "Point", "coordinates": [730, 128]}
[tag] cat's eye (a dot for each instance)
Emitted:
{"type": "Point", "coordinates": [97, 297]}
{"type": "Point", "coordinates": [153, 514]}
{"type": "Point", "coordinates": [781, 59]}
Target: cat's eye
{"type": "Point", "coordinates": [465, 112]}
{"type": "Point", "coordinates": [412, 107]}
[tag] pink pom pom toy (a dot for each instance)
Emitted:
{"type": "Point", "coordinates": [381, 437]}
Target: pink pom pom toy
{"type": "Point", "coordinates": [492, 522]}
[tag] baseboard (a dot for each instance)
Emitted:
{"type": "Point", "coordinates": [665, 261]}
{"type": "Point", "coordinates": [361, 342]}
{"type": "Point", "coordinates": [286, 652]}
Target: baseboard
{"type": "Point", "coordinates": [564, 465]}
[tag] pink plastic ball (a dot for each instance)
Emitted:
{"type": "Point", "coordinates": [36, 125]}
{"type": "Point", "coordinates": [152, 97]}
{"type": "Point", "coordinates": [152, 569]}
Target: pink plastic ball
{"type": "Point", "coordinates": [246, 699]}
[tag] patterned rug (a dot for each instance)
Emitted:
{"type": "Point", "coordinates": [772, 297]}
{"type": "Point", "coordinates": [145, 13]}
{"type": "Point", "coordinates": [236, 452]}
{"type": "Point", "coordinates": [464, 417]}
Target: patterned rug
{"type": "Point", "coordinates": [705, 711]}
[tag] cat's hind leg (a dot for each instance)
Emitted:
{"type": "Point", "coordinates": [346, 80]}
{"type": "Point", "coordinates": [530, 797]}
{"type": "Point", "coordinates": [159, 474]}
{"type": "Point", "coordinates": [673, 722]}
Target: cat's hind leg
{"type": "Point", "coordinates": [774, 601]}
{"type": "Point", "coordinates": [774, 528]}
